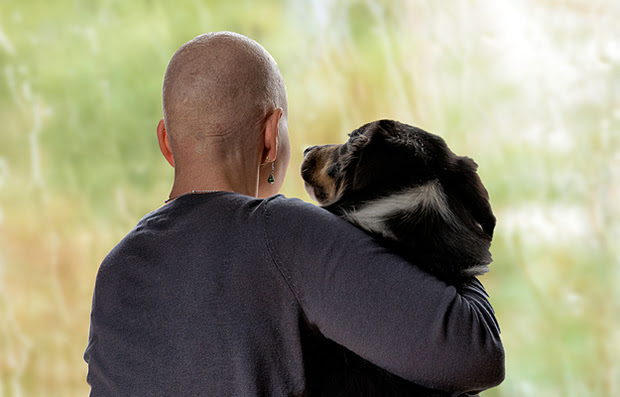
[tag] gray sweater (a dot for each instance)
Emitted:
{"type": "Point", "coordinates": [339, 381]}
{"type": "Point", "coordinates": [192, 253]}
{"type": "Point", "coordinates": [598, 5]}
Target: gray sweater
{"type": "Point", "coordinates": [212, 294]}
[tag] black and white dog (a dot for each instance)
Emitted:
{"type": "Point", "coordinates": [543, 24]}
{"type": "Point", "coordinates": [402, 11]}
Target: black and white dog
{"type": "Point", "coordinates": [406, 187]}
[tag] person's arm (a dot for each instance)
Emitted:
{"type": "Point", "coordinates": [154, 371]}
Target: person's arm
{"type": "Point", "coordinates": [381, 307]}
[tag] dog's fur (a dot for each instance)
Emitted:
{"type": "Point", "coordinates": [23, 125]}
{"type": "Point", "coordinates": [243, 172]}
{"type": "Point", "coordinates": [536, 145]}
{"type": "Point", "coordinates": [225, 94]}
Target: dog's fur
{"type": "Point", "coordinates": [406, 187]}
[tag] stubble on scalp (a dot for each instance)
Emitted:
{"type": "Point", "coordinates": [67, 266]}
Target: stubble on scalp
{"type": "Point", "coordinates": [219, 87]}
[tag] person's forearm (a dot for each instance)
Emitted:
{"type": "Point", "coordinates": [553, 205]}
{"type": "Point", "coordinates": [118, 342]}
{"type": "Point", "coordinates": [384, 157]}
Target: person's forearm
{"type": "Point", "coordinates": [459, 350]}
{"type": "Point", "coordinates": [482, 365]}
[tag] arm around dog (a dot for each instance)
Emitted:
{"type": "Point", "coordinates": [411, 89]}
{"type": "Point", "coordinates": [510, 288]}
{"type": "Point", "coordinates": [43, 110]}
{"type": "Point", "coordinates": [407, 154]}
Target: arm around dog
{"type": "Point", "coordinates": [381, 307]}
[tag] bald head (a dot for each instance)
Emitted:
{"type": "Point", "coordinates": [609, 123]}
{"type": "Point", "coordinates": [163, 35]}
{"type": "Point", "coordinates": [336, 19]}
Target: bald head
{"type": "Point", "coordinates": [219, 87]}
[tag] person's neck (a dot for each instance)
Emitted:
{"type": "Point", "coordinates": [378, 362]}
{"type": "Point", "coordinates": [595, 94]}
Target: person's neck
{"type": "Point", "coordinates": [215, 180]}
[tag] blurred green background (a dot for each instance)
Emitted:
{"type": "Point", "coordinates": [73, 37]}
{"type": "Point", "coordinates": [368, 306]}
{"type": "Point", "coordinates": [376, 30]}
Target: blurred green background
{"type": "Point", "coordinates": [530, 89]}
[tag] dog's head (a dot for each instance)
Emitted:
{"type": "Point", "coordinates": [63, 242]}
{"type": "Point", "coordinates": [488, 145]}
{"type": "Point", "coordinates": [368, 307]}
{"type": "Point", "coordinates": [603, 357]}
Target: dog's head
{"type": "Point", "coordinates": [388, 170]}
{"type": "Point", "coordinates": [378, 157]}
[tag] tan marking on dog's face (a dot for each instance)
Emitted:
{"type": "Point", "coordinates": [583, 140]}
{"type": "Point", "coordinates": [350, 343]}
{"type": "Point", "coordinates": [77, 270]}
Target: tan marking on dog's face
{"type": "Point", "coordinates": [321, 186]}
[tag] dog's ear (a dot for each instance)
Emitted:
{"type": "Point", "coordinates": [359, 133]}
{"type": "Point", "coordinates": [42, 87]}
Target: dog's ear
{"type": "Point", "coordinates": [370, 152]}
{"type": "Point", "coordinates": [473, 195]}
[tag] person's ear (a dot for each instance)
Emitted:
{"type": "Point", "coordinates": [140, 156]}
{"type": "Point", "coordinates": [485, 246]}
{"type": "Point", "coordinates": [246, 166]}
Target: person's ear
{"type": "Point", "coordinates": [270, 148]}
{"type": "Point", "coordinates": [164, 145]}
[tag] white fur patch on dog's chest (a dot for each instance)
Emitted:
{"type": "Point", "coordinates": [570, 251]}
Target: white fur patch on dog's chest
{"type": "Point", "coordinates": [372, 216]}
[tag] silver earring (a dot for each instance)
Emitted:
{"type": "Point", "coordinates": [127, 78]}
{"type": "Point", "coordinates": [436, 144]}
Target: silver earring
{"type": "Point", "coordinates": [271, 179]}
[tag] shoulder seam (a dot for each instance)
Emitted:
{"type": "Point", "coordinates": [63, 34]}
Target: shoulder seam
{"type": "Point", "coordinates": [274, 256]}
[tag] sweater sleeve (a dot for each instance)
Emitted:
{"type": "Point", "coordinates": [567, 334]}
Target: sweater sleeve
{"type": "Point", "coordinates": [381, 307]}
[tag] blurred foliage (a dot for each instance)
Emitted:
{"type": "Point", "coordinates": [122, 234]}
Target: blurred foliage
{"type": "Point", "coordinates": [529, 89]}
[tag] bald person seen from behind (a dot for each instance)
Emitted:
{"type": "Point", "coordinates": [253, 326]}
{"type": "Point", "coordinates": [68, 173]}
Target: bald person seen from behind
{"type": "Point", "coordinates": [220, 291]}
